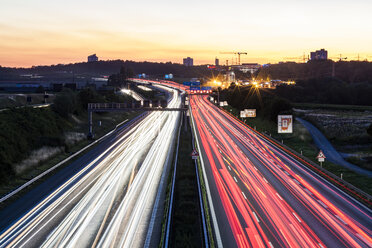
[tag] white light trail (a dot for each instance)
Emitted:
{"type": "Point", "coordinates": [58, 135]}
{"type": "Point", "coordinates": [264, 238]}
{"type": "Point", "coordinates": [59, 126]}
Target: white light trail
{"type": "Point", "coordinates": [109, 202]}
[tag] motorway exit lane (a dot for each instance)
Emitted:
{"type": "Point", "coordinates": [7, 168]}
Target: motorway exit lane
{"type": "Point", "coordinates": [265, 201]}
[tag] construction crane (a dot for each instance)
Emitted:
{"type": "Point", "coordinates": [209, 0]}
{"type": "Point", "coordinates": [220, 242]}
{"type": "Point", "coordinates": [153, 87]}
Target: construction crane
{"type": "Point", "coordinates": [297, 59]}
{"type": "Point", "coordinates": [238, 53]}
{"type": "Point", "coordinates": [340, 58]}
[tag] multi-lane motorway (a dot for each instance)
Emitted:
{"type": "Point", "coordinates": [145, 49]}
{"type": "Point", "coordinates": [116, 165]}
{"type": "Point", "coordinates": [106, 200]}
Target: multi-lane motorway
{"type": "Point", "coordinates": [259, 196]}
{"type": "Point", "coordinates": [109, 201]}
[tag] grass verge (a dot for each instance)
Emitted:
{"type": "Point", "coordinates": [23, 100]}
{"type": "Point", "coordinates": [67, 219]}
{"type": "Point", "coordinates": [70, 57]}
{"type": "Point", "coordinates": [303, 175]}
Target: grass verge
{"type": "Point", "coordinates": [107, 126]}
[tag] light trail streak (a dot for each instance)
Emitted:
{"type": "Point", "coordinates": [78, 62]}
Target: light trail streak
{"type": "Point", "coordinates": [98, 206]}
{"type": "Point", "coordinates": [269, 199]}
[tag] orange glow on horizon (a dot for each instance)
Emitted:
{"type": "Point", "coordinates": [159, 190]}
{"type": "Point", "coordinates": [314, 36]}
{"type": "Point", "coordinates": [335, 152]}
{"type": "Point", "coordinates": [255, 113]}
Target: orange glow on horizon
{"type": "Point", "coordinates": [40, 32]}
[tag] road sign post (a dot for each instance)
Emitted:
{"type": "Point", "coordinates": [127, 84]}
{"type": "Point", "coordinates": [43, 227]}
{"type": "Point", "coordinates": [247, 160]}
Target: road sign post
{"type": "Point", "coordinates": [194, 154]}
{"type": "Point", "coordinates": [321, 158]}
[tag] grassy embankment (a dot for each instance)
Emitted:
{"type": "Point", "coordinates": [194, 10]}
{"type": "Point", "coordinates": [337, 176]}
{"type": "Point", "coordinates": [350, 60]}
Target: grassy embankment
{"type": "Point", "coordinates": [301, 140]}
{"type": "Point", "coordinates": [26, 129]}
{"type": "Point", "coordinates": [345, 126]}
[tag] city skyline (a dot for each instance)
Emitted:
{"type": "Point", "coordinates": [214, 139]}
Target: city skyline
{"type": "Point", "coordinates": [39, 32]}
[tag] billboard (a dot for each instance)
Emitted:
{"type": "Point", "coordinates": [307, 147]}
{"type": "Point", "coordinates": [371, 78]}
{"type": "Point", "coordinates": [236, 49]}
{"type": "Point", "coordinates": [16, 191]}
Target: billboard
{"type": "Point", "coordinates": [248, 113]}
{"type": "Point", "coordinates": [285, 123]}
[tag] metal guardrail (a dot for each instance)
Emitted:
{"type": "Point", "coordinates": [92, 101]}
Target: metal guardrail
{"type": "Point", "coordinates": [17, 190]}
{"type": "Point", "coordinates": [201, 203]}
{"type": "Point", "coordinates": [351, 189]}
{"type": "Point", "coordinates": [209, 201]}
{"type": "Point", "coordinates": [362, 194]}
{"type": "Point", "coordinates": [204, 222]}
{"type": "Point", "coordinates": [171, 199]}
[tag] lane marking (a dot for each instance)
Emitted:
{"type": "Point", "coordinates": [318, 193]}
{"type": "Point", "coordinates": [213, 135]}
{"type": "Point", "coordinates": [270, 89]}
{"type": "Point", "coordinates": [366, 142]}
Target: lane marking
{"type": "Point", "coordinates": [235, 179]}
{"type": "Point", "coordinates": [244, 195]}
{"type": "Point", "coordinates": [279, 196]}
{"type": "Point", "coordinates": [338, 217]}
{"type": "Point", "coordinates": [265, 180]}
{"type": "Point", "coordinates": [296, 217]}
{"type": "Point", "coordinates": [322, 203]}
{"type": "Point", "coordinates": [308, 191]}
{"type": "Point", "coordinates": [271, 245]}
{"type": "Point", "coordinates": [256, 217]}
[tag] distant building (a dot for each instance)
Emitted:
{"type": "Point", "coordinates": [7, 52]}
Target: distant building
{"type": "Point", "coordinates": [319, 55]}
{"type": "Point", "coordinates": [247, 67]}
{"type": "Point", "coordinates": [92, 58]}
{"type": "Point", "coordinates": [188, 61]}
{"type": "Point", "coordinates": [230, 77]}
{"type": "Point", "coordinates": [217, 62]}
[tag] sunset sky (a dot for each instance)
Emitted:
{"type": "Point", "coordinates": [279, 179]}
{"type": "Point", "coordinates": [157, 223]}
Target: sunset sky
{"type": "Point", "coordinates": [41, 32]}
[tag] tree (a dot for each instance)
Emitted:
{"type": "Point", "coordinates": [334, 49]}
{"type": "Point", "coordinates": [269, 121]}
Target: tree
{"type": "Point", "coordinates": [369, 130]}
{"type": "Point", "coordinates": [65, 103]}
{"type": "Point", "coordinates": [89, 95]}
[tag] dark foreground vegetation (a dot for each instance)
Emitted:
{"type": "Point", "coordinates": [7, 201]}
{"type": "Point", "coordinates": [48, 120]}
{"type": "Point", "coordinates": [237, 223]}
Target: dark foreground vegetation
{"type": "Point", "coordinates": [186, 221]}
{"type": "Point", "coordinates": [327, 91]}
{"type": "Point", "coordinates": [344, 71]}
{"type": "Point", "coordinates": [24, 130]}
{"type": "Point", "coordinates": [100, 68]}
{"type": "Point", "coordinates": [186, 229]}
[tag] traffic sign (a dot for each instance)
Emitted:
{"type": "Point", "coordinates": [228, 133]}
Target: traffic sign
{"type": "Point", "coordinates": [285, 124]}
{"type": "Point", "coordinates": [321, 157]}
{"type": "Point", "coordinates": [194, 88]}
{"type": "Point", "coordinates": [195, 83]}
{"type": "Point", "coordinates": [194, 154]}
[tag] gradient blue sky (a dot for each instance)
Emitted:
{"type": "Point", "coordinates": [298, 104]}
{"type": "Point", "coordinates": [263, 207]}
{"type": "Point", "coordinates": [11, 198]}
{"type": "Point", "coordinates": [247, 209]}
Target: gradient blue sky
{"type": "Point", "coordinates": [34, 32]}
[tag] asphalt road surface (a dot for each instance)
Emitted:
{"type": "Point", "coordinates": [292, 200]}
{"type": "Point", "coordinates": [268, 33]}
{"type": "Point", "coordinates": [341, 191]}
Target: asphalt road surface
{"type": "Point", "coordinates": [105, 198]}
{"type": "Point", "coordinates": [262, 197]}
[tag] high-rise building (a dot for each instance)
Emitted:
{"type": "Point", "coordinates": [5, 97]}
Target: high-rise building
{"type": "Point", "coordinates": [217, 62]}
{"type": "Point", "coordinates": [92, 58]}
{"type": "Point", "coordinates": [188, 61]}
{"type": "Point", "coordinates": [319, 55]}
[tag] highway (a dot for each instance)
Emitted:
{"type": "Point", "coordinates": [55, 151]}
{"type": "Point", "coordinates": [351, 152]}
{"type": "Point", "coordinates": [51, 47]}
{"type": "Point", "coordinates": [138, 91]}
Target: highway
{"type": "Point", "coordinates": [109, 201]}
{"type": "Point", "coordinates": [259, 196]}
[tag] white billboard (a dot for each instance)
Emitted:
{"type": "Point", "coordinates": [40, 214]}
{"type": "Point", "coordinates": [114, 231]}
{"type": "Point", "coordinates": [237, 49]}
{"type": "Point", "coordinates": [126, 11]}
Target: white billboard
{"type": "Point", "coordinates": [242, 114]}
{"type": "Point", "coordinates": [250, 113]}
{"type": "Point", "coordinates": [285, 123]}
